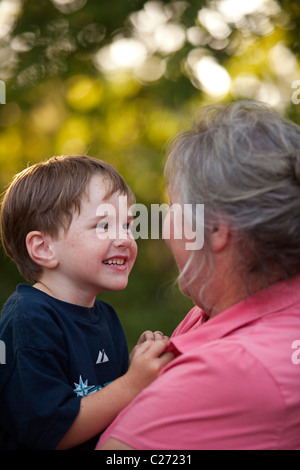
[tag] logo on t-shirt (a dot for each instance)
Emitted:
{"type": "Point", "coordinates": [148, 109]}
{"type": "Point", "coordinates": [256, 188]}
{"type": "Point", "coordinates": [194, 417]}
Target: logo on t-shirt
{"type": "Point", "coordinates": [82, 389]}
{"type": "Point", "coordinates": [102, 357]}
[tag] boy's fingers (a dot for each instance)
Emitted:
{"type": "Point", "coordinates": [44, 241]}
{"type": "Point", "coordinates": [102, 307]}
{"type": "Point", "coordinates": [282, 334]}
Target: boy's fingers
{"type": "Point", "coordinates": [143, 347]}
{"type": "Point", "coordinates": [166, 358]}
{"type": "Point", "coordinates": [150, 336]}
{"type": "Point", "coordinates": [147, 336]}
{"type": "Point", "coordinates": [152, 348]}
{"type": "Point", "coordinates": [158, 335]}
{"type": "Point", "coordinates": [156, 348]}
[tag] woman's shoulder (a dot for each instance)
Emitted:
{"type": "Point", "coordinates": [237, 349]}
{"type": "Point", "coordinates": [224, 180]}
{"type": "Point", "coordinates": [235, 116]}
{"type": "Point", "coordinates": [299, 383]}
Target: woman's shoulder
{"type": "Point", "coordinates": [193, 319]}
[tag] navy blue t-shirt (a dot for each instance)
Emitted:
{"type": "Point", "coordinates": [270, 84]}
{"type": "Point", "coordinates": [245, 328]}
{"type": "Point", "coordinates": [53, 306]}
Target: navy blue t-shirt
{"type": "Point", "coordinates": [56, 353]}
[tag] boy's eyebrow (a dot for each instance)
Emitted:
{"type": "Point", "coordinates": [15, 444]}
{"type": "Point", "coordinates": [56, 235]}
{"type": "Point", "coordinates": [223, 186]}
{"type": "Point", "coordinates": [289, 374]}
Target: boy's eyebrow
{"type": "Point", "coordinates": [99, 216]}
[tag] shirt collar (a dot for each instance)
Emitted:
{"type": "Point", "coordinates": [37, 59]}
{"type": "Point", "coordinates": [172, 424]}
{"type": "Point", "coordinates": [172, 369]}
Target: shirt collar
{"type": "Point", "coordinates": [274, 298]}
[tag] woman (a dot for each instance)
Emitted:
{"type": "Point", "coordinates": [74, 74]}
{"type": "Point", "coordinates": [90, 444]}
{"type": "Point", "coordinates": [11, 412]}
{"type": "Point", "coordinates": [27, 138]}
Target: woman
{"type": "Point", "coordinates": [233, 383]}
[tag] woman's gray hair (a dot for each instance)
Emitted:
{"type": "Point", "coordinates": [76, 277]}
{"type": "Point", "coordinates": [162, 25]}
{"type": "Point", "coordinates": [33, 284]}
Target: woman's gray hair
{"type": "Point", "coordinates": [242, 161]}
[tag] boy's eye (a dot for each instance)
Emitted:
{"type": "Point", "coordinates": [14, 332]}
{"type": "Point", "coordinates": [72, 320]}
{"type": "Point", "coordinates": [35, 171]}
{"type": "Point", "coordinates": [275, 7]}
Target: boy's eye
{"type": "Point", "coordinates": [102, 226]}
{"type": "Point", "coordinates": [106, 226]}
{"type": "Point", "coordinates": [128, 226]}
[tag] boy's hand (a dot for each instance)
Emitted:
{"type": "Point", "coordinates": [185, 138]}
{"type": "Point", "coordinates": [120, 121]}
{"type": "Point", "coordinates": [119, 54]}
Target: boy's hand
{"type": "Point", "coordinates": [147, 362]}
{"type": "Point", "coordinates": [99, 409]}
{"type": "Point", "coordinates": [148, 336]}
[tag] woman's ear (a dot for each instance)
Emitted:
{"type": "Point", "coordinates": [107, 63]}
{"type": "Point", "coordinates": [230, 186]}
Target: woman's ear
{"type": "Point", "coordinates": [39, 249]}
{"type": "Point", "coordinates": [219, 235]}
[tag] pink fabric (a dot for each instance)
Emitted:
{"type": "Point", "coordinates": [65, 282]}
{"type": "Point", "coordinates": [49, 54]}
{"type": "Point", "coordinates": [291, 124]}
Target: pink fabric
{"type": "Point", "coordinates": [232, 384]}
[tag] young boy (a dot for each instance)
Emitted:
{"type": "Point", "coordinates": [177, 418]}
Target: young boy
{"type": "Point", "coordinates": [66, 375]}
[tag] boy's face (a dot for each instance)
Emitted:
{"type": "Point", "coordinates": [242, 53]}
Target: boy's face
{"type": "Point", "coordinates": [98, 251]}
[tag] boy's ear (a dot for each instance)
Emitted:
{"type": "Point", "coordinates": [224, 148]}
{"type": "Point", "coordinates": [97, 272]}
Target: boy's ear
{"type": "Point", "coordinates": [40, 250]}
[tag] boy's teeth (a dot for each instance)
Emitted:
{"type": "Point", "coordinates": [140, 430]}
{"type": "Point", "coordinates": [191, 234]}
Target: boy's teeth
{"type": "Point", "coordinates": [114, 261]}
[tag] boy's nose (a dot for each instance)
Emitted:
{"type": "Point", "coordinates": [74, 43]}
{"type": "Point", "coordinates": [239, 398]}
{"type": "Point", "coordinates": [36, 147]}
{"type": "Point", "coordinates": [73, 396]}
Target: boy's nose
{"type": "Point", "coordinates": [123, 239]}
{"type": "Point", "coordinates": [122, 242]}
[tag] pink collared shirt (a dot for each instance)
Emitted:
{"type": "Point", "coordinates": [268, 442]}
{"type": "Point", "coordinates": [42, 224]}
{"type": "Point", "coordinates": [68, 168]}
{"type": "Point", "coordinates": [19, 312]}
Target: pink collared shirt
{"type": "Point", "coordinates": [232, 385]}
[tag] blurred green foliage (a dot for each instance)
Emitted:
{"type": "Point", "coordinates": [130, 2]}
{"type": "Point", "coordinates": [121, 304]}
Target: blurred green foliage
{"type": "Point", "coordinates": [117, 80]}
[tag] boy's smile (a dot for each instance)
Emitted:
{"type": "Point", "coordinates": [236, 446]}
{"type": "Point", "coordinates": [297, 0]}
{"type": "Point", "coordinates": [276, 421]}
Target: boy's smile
{"type": "Point", "coordinates": [119, 262]}
{"type": "Point", "coordinates": [97, 252]}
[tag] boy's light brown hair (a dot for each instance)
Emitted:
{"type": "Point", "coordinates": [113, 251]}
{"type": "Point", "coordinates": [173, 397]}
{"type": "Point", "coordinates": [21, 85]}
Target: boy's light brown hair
{"type": "Point", "coordinates": [45, 196]}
